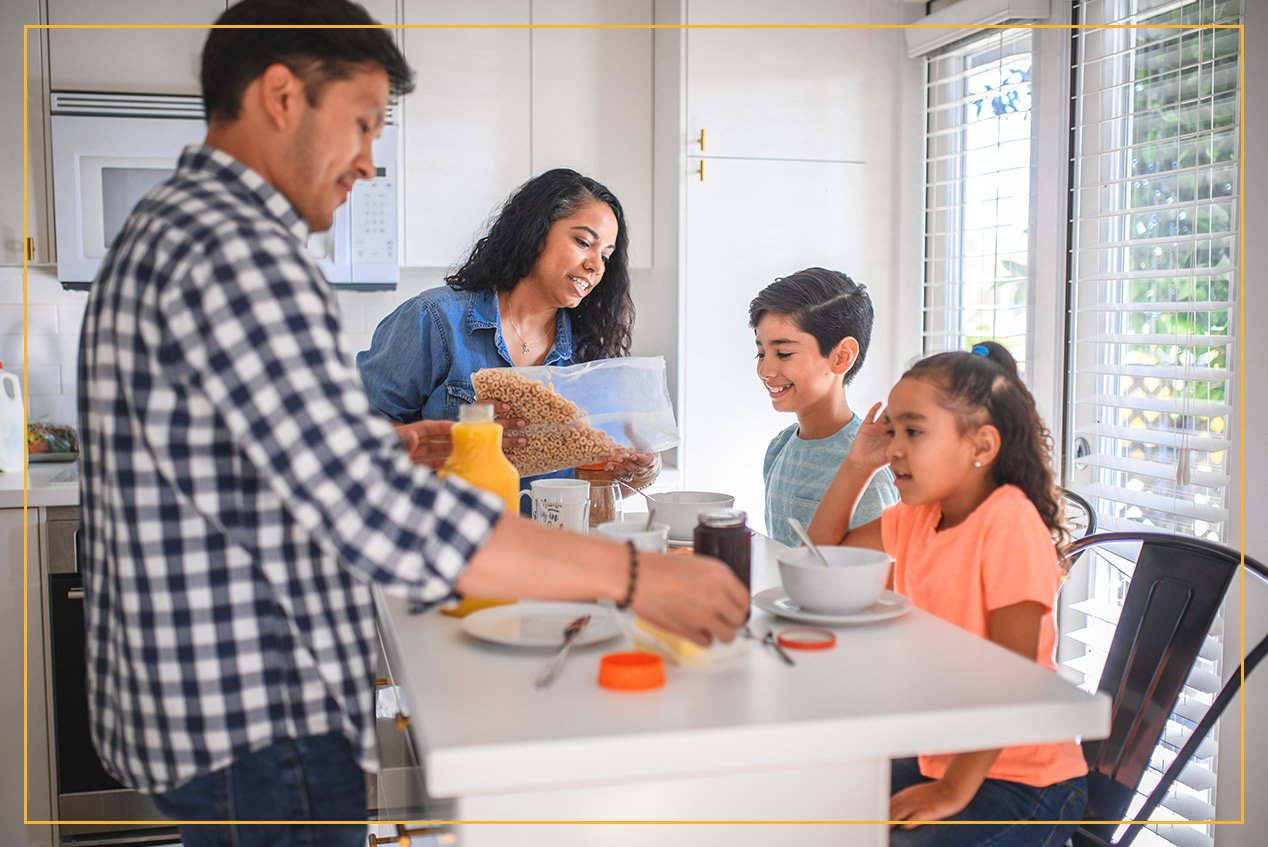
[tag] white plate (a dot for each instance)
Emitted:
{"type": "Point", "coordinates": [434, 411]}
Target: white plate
{"type": "Point", "coordinates": [539, 626]}
{"type": "Point", "coordinates": [776, 602]}
{"type": "Point", "coordinates": [681, 542]}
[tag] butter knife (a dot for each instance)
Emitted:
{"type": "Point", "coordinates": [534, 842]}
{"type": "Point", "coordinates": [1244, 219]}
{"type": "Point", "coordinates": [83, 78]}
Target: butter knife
{"type": "Point", "coordinates": [571, 631]}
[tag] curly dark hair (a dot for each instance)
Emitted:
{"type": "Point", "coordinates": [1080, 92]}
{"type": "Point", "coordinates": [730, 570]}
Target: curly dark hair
{"type": "Point", "coordinates": [982, 387]}
{"type": "Point", "coordinates": [603, 321]}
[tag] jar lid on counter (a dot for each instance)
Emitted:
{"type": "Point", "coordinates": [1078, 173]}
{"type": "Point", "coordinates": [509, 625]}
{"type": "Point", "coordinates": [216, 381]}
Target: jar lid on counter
{"type": "Point", "coordinates": [723, 517]}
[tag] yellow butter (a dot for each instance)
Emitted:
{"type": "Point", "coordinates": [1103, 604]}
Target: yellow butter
{"type": "Point", "coordinates": [675, 648]}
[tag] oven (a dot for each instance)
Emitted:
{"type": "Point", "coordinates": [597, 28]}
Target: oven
{"type": "Point", "coordinates": [85, 792]}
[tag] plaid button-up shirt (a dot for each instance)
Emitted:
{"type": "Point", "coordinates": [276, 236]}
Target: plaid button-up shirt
{"type": "Point", "coordinates": [238, 492]}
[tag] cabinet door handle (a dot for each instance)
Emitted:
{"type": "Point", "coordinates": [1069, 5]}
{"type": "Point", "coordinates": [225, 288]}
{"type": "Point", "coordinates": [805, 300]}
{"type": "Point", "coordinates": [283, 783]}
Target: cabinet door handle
{"type": "Point", "coordinates": [700, 141]}
{"type": "Point", "coordinates": [75, 594]}
{"type": "Point", "coordinates": [29, 247]}
{"type": "Point", "coordinates": [700, 170]}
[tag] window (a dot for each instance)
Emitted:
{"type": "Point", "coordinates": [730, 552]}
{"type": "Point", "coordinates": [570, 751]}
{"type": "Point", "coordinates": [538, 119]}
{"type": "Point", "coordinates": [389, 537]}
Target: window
{"type": "Point", "coordinates": [1153, 324]}
{"type": "Point", "coordinates": [977, 195]}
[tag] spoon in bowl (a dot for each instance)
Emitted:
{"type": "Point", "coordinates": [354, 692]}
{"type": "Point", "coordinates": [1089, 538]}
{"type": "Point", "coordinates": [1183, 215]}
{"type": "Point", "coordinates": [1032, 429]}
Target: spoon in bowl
{"type": "Point", "coordinates": [651, 504]}
{"type": "Point", "coordinates": [805, 539]}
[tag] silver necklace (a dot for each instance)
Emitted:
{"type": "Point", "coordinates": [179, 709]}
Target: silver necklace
{"type": "Point", "coordinates": [524, 345]}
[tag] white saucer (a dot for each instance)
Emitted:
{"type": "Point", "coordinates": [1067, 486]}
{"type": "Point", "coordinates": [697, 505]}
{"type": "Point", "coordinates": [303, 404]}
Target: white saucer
{"type": "Point", "coordinates": [681, 542]}
{"type": "Point", "coordinates": [776, 602]}
{"type": "Point", "coordinates": [539, 626]}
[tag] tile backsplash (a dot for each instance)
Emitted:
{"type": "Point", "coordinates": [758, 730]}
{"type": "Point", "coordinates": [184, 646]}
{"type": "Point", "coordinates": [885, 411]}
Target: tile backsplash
{"type": "Point", "coordinates": [53, 316]}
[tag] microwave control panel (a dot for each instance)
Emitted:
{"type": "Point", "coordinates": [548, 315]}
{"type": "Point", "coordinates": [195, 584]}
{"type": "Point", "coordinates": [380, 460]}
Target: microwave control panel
{"type": "Point", "coordinates": [374, 219]}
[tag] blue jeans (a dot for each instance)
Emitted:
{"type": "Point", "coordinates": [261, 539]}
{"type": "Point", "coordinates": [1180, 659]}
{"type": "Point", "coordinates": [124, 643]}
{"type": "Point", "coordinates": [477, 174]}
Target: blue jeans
{"type": "Point", "coordinates": [996, 800]}
{"type": "Point", "coordinates": [306, 779]}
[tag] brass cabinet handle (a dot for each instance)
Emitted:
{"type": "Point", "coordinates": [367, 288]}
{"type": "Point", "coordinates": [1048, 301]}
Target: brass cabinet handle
{"type": "Point", "coordinates": [30, 249]}
{"type": "Point", "coordinates": [700, 170]}
{"type": "Point", "coordinates": [701, 141]}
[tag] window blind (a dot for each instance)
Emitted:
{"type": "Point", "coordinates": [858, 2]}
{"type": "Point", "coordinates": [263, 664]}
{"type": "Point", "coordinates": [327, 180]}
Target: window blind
{"type": "Point", "coordinates": [1153, 326]}
{"type": "Point", "coordinates": [977, 193]}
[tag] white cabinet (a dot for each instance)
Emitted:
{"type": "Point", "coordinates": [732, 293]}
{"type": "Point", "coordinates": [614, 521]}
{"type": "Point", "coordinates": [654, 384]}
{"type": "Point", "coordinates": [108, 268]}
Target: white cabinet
{"type": "Point", "coordinates": [592, 103]}
{"type": "Point", "coordinates": [749, 222]}
{"type": "Point", "coordinates": [38, 793]}
{"type": "Point", "coordinates": [493, 107]}
{"type": "Point", "coordinates": [146, 61]}
{"type": "Point", "coordinates": [466, 126]}
{"type": "Point", "coordinates": [14, 15]}
{"type": "Point", "coordinates": [778, 93]}
{"type": "Point", "coordinates": [797, 171]}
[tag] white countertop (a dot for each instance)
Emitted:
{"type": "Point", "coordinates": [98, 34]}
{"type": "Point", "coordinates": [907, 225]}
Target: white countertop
{"type": "Point", "coordinates": [40, 491]}
{"type": "Point", "coordinates": [913, 684]}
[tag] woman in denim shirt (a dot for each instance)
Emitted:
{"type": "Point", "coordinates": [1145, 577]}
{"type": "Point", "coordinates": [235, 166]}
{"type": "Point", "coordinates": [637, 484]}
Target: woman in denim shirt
{"type": "Point", "coordinates": [548, 285]}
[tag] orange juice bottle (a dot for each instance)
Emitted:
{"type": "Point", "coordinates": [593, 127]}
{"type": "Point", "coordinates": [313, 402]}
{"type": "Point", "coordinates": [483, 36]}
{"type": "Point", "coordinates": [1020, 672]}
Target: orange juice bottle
{"type": "Point", "coordinates": [478, 458]}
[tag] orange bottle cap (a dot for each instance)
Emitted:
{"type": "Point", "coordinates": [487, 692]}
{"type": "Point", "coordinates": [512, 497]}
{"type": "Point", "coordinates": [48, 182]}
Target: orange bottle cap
{"type": "Point", "coordinates": [631, 671]}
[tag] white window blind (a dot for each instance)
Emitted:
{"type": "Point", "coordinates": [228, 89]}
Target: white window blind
{"type": "Point", "coordinates": [1153, 325]}
{"type": "Point", "coordinates": [977, 193]}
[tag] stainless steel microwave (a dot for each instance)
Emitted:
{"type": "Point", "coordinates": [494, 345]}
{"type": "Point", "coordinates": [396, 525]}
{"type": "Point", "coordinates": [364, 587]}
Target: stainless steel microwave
{"type": "Point", "coordinates": [110, 149]}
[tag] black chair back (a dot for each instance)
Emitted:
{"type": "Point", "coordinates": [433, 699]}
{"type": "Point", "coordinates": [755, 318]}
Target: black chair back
{"type": "Point", "coordinates": [1175, 593]}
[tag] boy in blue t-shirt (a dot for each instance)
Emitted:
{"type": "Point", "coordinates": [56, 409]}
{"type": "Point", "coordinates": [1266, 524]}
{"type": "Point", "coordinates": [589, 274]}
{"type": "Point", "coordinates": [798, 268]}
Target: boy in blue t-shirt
{"type": "Point", "coordinates": [812, 329]}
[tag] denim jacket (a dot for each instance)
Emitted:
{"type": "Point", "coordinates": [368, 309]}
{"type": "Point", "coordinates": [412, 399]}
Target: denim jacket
{"type": "Point", "coordinates": [422, 356]}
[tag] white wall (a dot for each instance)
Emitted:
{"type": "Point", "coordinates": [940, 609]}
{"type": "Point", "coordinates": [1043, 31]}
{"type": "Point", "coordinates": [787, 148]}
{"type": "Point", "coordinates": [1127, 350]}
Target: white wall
{"type": "Point", "coordinates": [1252, 475]}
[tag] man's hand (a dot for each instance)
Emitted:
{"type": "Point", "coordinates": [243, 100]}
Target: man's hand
{"type": "Point", "coordinates": [693, 596]}
{"type": "Point", "coordinates": [427, 442]}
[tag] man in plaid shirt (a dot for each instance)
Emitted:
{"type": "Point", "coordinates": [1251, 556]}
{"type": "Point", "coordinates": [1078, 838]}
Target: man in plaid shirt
{"type": "Point", "coordinates": [240, 495]}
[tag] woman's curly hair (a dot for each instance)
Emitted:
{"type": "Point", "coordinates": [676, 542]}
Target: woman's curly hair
{"type": "Point", "coordinates": [983, 387]}
{"type": "Point", "coordinates": [603, 321]}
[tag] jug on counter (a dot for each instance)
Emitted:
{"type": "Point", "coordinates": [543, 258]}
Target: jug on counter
{"type": "Point", "coordinates": [12, 422]}
{"type": "Point", "coordinates": [477, 455]}
{"type": "Point", "coordinates": [478, 458]}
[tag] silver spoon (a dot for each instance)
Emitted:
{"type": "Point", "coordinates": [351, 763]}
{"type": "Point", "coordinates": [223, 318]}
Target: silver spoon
{"type": "Point", "coordinates": [651, 504]}
{"type": "Point", "coordinates": [805, 539]}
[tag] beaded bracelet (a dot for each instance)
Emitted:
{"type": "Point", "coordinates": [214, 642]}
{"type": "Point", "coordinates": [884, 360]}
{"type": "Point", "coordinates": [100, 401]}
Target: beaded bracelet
{"type": "Point", "coordinates": [629, 595]}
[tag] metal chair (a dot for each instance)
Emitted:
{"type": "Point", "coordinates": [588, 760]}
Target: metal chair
{"type": "Point", "coordinates": [1080, 517]}
{"type": "Point", "coordinates": [1176, 590]}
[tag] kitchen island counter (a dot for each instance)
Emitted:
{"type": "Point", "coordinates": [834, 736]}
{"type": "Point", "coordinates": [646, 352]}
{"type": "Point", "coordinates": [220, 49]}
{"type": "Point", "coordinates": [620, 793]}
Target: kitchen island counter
{"type": "Point", "coordinates": [747, 738]}
{"type": "Point", "coordinates": [41, 490]}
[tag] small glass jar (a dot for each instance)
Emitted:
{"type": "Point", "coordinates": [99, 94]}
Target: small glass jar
{"type": "Point", "coordinates": [724, 534]}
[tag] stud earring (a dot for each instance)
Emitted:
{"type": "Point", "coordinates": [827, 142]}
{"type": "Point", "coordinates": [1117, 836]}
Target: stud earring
{"type": "Point", "coordinates": [977, 463]}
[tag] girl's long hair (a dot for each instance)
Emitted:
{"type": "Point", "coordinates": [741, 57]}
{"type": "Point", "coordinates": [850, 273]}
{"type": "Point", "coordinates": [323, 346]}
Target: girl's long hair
{"type": "Point", "coordinates": [602, 323]}
{"type": "Point", "coordinates": [983, 387]}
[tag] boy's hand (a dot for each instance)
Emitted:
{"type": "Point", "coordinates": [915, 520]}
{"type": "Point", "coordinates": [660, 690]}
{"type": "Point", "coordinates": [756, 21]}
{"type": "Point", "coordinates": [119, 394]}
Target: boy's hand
{"type": "Point", "coordinates": [871, 444]}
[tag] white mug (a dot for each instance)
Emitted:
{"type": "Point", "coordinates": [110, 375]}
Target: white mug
{"type": "Point", "coordinates": [563, 503]}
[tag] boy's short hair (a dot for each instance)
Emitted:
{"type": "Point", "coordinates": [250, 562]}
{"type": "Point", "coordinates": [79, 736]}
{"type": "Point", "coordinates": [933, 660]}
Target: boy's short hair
{"type": "Point", "coordinates": [233, 58]}
{"type": "Point", "coordinates": [826, 304]}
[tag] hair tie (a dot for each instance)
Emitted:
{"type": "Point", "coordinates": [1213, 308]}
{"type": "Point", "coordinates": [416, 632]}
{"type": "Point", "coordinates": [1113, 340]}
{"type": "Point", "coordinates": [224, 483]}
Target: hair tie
{"type": "Point", "coordinates": [981, 350]}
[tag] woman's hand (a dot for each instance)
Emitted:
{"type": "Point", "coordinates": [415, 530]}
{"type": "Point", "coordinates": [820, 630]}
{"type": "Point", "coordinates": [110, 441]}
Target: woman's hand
{"type": "Point", "coordinates": [427, 442]}
{"type": "Point", "coordinates": [928, 801]}
{"type": "Point", "coordinates": [871, 445]}
{"type": "Point", "coordinates": [637, 470]}
{"type": "Point", "coordinates": [512, 428]}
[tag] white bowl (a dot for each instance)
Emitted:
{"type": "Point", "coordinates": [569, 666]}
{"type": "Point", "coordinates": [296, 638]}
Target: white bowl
{"type": "Point", "coordinates": [853, 580]}
{"type": "Point", "coordinates": [681, 509]}
{"type": "Point", "coordinates": [654, 539]}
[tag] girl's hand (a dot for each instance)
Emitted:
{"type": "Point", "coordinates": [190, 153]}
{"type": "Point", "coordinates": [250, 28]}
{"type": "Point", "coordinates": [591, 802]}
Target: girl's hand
{"type": "Point", "coordinates": [871, 445]}
{"type": "Point", "coordinates": [427, 442]}
{"type": "Point", "coordinates": [928, 801]}
{"type": "Point", "coordinates": [638, 470]}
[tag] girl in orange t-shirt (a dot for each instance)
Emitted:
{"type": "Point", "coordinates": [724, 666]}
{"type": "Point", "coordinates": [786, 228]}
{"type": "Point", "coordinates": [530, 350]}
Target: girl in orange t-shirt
{"type": "Point", "coordinates": [973, 543]}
